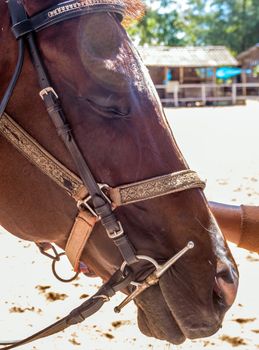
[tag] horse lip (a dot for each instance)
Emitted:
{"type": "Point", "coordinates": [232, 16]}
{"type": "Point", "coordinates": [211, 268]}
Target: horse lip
{"type": "Point", "coordinates": [190, 330]}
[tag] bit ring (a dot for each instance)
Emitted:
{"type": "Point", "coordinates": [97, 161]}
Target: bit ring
{"type": "Point", "coordinates": [57, 259]}
{"type": "Point", "coordinates": [141, 257]}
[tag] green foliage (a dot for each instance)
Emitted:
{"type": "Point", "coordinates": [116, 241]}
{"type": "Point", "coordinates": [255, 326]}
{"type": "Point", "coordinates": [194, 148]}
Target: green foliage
{"type": "Point", "coordinates": [158, 27]}
{"type": "Point", "coordinates": [233, 23]}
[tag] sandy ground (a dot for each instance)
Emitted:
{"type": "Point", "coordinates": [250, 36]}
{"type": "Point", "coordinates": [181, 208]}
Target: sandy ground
{"type": "Point", "coordinates": [222, 145]}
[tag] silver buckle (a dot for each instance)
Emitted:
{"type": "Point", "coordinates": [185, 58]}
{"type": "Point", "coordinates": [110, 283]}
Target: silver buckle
{"type": "Point", "coordinates": [116, 234]}
{"type": "Point", "coordinates": [103, 187]}
{"type": "Point", "coordinates": [46, 91]}
{"type": "Point", "coordinates": [85, 202]}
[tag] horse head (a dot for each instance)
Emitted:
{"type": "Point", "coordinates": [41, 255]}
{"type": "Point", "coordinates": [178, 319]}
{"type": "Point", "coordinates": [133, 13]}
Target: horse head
{"type": "Point", "coordinates": [119, 125]}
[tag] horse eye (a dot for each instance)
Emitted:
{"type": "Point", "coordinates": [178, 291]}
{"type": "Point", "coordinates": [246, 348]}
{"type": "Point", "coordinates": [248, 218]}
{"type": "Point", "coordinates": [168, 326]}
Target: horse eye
{"type": "Point", "coordinates": [111, 112]}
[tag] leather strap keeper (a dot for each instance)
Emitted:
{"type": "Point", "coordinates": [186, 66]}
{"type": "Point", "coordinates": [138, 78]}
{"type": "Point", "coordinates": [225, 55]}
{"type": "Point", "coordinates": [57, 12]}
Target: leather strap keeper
{"type": "Point", "coordinates": [80, 233]}
{"type": "Point", "coordinates": [249, 228]}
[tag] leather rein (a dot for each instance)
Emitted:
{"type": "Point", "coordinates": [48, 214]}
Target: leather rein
{"type": "Point", "coordinates": [95, 202]}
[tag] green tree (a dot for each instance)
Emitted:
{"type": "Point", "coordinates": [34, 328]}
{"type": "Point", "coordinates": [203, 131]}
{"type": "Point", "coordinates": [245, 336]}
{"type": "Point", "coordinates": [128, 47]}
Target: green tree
{"type": "Point", "coordinates": [234, 23]}
{"type": "Point", "coordinates": [158, 27]}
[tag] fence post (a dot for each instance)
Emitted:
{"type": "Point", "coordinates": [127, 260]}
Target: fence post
{"type": "Point", "coordinates": [176, 99]}
{"type": "Point", "coordinates": [203, 94]}
{"type": "Point", "coordinates": [234, 94]}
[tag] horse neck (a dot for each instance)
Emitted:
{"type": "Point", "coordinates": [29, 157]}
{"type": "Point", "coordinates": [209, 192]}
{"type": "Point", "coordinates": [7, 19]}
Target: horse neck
{"type": "Point", "coordinates": [25, 202]}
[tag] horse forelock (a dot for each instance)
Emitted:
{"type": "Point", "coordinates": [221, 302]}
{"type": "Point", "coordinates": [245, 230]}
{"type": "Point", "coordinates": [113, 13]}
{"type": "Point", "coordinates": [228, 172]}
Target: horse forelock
{"type": "Point", "coordinates": [135, 10]}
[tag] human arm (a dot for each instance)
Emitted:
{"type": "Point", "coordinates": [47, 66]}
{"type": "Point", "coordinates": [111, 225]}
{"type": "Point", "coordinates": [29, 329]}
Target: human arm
{"type": "Point", "coordinates": [239, 224]}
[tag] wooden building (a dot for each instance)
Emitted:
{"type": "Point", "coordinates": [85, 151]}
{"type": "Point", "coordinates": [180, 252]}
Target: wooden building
{"type": "Point", "coordinates": [190, 67]}
{"type": "Point", "coordinates": [186, 64]}
{"type": "Point", "coordinates": [249, 61]}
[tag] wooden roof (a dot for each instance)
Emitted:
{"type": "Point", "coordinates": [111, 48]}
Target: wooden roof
{"type": "Point", "coordinates": [246, 54]}
{"type": "Point", "coordinates": [189, 56]}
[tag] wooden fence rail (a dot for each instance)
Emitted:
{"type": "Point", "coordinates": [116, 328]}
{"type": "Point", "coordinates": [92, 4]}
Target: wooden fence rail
{"type": "Point", "coordinates": [203, 94]}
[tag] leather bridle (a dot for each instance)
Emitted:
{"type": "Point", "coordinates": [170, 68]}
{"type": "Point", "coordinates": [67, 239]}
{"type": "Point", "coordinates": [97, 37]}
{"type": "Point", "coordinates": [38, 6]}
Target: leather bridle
{"type": "Point", "coordinates": [24, 28]}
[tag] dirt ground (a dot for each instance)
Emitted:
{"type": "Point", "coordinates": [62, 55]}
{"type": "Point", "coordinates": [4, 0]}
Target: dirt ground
{"type": "Point", "coordinates": [222, 145]}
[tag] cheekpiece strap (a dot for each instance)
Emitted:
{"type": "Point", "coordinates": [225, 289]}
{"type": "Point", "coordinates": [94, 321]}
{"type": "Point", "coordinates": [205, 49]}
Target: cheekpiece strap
{"type": "Point", "coordinates": [63, 11]}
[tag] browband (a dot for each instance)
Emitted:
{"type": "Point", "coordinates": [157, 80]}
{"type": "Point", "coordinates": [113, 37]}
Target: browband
{"type": "Point", "coordinates": [23, 25]}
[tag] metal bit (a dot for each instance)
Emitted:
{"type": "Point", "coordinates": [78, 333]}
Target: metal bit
{"type": "Point", "coordinates": [153, 278]}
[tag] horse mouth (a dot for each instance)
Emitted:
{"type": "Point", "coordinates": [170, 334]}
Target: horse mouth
{"type": "Point", "coordinates": [170, 312]}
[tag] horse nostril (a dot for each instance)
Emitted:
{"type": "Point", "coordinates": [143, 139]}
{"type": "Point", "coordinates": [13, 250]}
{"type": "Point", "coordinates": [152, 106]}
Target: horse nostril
{"type": "Point", "coordinates": [225, 275]}
{"type": "Point", "coordinates": [226, 283]}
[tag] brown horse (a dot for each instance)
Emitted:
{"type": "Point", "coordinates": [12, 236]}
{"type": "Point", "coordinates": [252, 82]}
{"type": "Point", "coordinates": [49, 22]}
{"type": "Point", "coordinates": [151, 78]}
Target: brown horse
{"type": "Point", "coordinates": [119, 125]}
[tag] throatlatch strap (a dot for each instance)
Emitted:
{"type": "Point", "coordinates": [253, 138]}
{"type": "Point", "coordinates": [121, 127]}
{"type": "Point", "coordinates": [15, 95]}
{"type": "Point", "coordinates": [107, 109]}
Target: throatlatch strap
{"type": "Point", "coordinates": [18, 14]}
